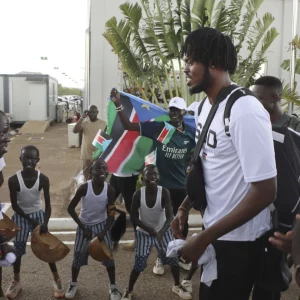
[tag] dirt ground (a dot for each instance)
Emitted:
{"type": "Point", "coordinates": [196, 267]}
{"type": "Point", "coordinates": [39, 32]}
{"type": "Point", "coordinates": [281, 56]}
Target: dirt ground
{"type": "Point", "coordinates": [59, 162]}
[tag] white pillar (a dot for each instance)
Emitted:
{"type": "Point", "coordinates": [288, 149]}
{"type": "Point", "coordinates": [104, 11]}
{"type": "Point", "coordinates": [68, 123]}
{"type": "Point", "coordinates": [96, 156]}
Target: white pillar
{"type": "Point", "coordinates": [293, 52]}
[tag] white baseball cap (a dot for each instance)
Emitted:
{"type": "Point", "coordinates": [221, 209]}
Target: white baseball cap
{"type": "Point", "coordinates": [178, 103]}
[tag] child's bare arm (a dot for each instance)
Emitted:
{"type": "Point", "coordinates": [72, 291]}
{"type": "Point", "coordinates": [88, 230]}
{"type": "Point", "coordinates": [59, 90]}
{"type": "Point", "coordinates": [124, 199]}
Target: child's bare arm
{"type": "Point", "coordinates": [81, 192]}
{"type": "Point", "coordinates": [45, 185]}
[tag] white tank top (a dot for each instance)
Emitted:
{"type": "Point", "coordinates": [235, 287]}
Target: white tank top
{"type": "Point", "coordinates": [93, 207]}
{"type": "Point", "coordinates": [154, 217]}
{"type": "Point", "coordinates": [29, 200]}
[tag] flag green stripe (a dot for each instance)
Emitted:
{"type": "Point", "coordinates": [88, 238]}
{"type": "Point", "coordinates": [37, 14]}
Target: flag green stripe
{"type": "Point", "coordinates": [137, 159]}
{"type": "Point", "coordinates": [111, 116]}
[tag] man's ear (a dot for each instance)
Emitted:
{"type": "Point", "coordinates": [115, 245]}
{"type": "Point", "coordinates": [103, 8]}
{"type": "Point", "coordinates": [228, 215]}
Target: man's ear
{"type": "Point", "coordinates": [183, 112]}
{"type": "Point", "coordinates": [38, 160]}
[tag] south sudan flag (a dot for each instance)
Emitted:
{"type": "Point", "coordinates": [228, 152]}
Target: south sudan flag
{"type": "Point", "coordinates": [126, 153]}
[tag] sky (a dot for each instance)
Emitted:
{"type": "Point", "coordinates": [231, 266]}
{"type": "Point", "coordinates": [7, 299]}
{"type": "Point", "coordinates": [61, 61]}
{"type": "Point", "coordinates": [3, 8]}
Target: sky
{"type": "Point", "coordinates": [31, 29]}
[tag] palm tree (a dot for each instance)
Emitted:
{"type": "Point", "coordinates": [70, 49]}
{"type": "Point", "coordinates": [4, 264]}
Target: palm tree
{"type": "Point", "coordinates": [148, 39]}
{"type": "Point", "coordinates": [290, 95]}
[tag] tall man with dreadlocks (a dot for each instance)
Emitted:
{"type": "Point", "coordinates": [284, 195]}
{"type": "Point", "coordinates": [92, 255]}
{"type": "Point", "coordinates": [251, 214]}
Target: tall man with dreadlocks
{"type": "Point", "coordinates": [239, 171]}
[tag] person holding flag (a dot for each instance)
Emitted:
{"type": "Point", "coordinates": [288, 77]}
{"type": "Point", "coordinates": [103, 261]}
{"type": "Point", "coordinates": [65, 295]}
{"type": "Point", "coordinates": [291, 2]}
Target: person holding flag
{"type": "Point", "coordinates": [174, 141]}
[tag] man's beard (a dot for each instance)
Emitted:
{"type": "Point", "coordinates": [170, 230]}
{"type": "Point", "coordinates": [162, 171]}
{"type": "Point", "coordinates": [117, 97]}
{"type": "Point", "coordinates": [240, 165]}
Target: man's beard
{"type": "Point", "coordinates": [203, 85]}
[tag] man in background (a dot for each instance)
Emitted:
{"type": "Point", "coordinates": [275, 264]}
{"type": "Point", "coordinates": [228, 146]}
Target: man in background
{"type": "Point", "coordinates": [88, 125]}
{"type": "Point", "coordinates": [268, 90]}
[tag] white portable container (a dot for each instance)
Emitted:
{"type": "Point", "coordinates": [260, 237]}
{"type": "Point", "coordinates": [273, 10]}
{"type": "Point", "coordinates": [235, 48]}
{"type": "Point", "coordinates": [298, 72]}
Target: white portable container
{"type": "Point", "coordinates": [28, 97]}
{"type": "Point", "coordinates": [73, 138]}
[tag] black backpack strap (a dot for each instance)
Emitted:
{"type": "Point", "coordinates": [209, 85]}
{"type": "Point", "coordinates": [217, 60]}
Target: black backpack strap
{"type": "Point", "coordinates": [232, 99]}
{"type": "Point", "coordinates": [221, 96]}
{"type": "Point", "coordinates": [201, 106]}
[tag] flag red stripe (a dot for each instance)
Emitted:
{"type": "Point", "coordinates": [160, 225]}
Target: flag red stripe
{"type": "Point", "coordinates": [100, 139]}
{"type": "Point", "coordinates": [124, 148]}
{"type": "Point", "coordinates": [163, 134]}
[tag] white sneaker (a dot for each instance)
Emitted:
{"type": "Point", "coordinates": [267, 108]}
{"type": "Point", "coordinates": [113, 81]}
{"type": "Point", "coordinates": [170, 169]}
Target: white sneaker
{"type": "Point", "coordinates": [71, 290]}
{"type": "Point", "coordinates": [184, 265]}
{"type": "Point", "coordinates": [114, 293]}
{"type": "Point", "coordinates": [187, 284]}
{"type": "Point", "coordinates": [181, 292]}
{"type": "Point", "coordinates": [158, 268]}
{"type": "Point", "coordinates": [127, 295]}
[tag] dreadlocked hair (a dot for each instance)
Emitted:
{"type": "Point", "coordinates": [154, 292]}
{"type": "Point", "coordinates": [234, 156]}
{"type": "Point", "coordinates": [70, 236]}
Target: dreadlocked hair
{"type": "Point", "coordinates": [210, 47]}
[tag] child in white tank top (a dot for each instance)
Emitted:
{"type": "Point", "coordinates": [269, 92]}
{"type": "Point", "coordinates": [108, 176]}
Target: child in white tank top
{"type": "Point", "coordinates": [25, 194]}
{"type": "Point", "coordinates": [95, 220]}
{"type": "Point", "coordinates": [152, 212]}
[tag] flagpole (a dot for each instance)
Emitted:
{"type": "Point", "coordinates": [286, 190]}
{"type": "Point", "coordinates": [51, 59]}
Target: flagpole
{"type": "Point", "coordinates": [293, 52]}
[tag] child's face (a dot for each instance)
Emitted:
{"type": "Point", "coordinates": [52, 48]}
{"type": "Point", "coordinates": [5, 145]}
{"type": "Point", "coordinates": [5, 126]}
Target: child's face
{"type": "Point", "coordinates": [4, 139]}
{"type": "Point", "coordinates": [29, 159]}
{"type": "Point", "coordinates": [150, 176]}
{"type": "Point", "coordinates": [99, 171]}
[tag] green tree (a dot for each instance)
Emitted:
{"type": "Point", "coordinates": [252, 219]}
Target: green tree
{"type": "Point", "coordinates": [149, 38]}
{"type": "Point", "coordinates": [62, 91]}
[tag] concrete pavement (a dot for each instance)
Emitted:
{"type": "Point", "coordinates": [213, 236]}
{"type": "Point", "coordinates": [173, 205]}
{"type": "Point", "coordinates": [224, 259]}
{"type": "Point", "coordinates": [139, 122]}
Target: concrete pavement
{"type": "Point", "coordinates": [93, 279]}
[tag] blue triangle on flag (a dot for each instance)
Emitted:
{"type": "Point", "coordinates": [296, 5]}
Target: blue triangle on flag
{"type": "Point", "coordinates": [169, 126]}
{"type": "Point", "coordinates": [105, 144]}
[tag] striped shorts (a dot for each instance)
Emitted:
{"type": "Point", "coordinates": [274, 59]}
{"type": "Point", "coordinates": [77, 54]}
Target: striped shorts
{"type": "Point", "coordinates": [79, 243]}
{"type": "Point", "coordinates": [143, 245]}
{"type": "Point", "coordinates": [25, 228]}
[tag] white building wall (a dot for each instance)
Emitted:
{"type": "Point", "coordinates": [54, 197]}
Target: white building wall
{"type": "Point", "coordinates": [103, 64]}
{"type": "Point", "coordinates": [282, 10]}
{"type": "Point", "coordinates": [1, 94]}
{"type": "Point", "coordinates": [103, 71]}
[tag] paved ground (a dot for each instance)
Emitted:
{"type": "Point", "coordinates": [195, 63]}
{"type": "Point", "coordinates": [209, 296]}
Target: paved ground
{"type": "Point", "coordinates": [93, 280]}
{"type": "Point", "coordinates": [59, 162]}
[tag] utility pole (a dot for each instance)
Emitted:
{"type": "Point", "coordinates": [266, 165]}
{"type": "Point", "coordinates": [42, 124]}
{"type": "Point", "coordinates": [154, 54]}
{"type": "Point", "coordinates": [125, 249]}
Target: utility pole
{"type": "Point", "coordinates": [293, 52]}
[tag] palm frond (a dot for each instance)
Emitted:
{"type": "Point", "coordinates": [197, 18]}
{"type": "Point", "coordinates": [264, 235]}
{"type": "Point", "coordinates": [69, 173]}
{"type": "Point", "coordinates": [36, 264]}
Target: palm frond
{"type": "Point", "coordinates": [220, 20]}
{"type": "Point", "coordinates": [198, 11]}
{"type": "Point", "coordinates": [290, 95]}
{"type": "Point", "coordinates": [251, 10]}
{"type": "Point", "coordinates": [234, 14]}
{"type": "Point", "coordinates": [186, 17]}
{"type": "Point", "coordinates": [286, 65]}
{"type": "Point", "coordinates": [257, 32]}
{"type": "Point", "coordinates": [210, 4]}
{"type": "Point", "coordinates": [256, 64]}
{"type": "Point", "coordinates": [133, 13]}
{"type": "Point", "coordinates": [119, 37]}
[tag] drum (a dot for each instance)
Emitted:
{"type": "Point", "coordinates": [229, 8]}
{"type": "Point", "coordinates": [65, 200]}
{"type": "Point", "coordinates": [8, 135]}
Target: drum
{"type": "Point", "coordinates": [99, 251]}
{"type": "Point", "coordinates": [8, 228]}
{"type": "Point", "coordinates": [47, 247]}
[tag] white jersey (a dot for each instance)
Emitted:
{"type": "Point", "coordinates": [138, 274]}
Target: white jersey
{"type": "Point", "coordinates": [231, 164]}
